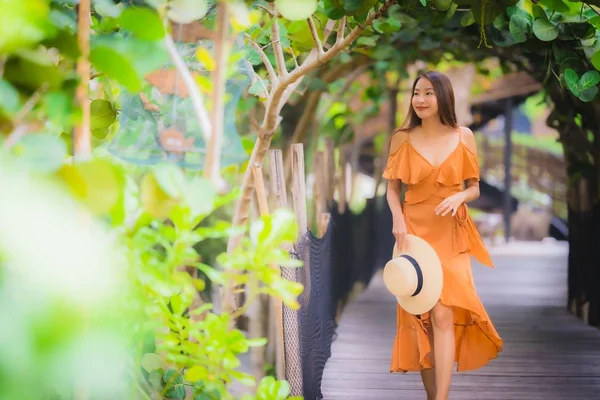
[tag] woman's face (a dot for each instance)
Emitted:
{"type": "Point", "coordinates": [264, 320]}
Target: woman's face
{"type": "Point", "coordinates": [424, 101]}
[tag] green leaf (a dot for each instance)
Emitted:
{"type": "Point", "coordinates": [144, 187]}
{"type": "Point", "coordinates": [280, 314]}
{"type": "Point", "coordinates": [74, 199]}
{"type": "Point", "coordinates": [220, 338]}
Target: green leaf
{"type": "Point", "coordinates": [572, 80]}
{"type": "Point", "coordinates": [596, 60]}
{"type": "Point", "coordinates": [152, 362]}
{"type": "Point", "coordinates": [368, 41]}
{"type": "Point", "coordinates": [41, 152]}
{"type": "Point", "coordinates": [212, 273]}
{"type": "Point", "coordinates": [155, 379]}
{"type": "Point", "coordinates": [116, 66]}
{"type": "Point", "coordinates": [270, 389]}
{"type": "Point", "coordinates": [295, 10]}
{"type": "Point", "coordinates": [545, 30]}
{"type": "Point", "coordinates": [423, 2]}
{"type": "Point", "coordinates": [467, 19]}
{"type": "Point", "coordinates": [352, 6]}
{"type": "Point", "coordinates": [171, 179]}
{"type": "Point", "coordinates": [107, 8]}
{"type": "Point", "coordinates": [23, 23]}
{"type": "Point", "coordinates": [442, 5]}
{"type": "Point", "coordinates": [589, 94]}
{"type": "Point", "coordinates": [196, 373]}
{"type": "Point", "coordinates": [258, 87]}
{"type": "Point", "coordinates": [103, 114]}
{"type": "Point", "coordinates": [32, 69]}
{"type": "Point", "coordinates": [142, 22]}
{"type": "Point", "coordinates": [243, 378]}
{"type": "Point", "coordinates": [201, 196]}
{"type": "Point", "coordinates": [174, 381]}
{"type": "Point", "coordinates": [334, 9]}
{"type": "Point", "coordinates": [589, 79]}
{"type": "Point", "coordinates": [97, 182]}
{"type": "Point", "coordinates": [519, 27]}
{"type": "Point", "coordinates": [257, 342]}
{"type": "Point", "coordinates": [187, 11]}
{"type": "Point", "coordinates": [144, 56]}
{"type": "Point", "coordinates": [59, 107]}
{"type": "Point", "coordinates": [9, 98]}
{"type": "Point", "coordinates": [555, 5]}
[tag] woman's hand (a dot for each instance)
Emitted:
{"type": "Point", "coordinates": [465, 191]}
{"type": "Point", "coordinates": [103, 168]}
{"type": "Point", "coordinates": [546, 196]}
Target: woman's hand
{"type": "Point", "coordinates": [450, 204]}
{"type": "Point", "coordinates": [399, 231]}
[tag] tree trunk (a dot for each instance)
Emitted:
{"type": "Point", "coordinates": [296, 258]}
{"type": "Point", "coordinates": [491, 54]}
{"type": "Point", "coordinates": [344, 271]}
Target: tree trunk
{"type": "Point", "coordinates": [582, 159]}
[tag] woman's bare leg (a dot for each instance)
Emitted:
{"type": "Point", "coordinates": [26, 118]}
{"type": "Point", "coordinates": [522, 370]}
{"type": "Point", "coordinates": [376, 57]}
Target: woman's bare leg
{"type": "Point", "coordinates": [428, 375]}
{"type": "Point", "coordinates": [442, 319]}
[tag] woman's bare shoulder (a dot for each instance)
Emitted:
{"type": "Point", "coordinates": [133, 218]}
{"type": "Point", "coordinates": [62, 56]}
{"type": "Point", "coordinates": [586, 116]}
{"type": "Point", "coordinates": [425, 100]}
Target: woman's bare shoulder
{"type": "Point", "coordinates": [468, 138]}
{"type": "Point", "coordinates": [398, 138]}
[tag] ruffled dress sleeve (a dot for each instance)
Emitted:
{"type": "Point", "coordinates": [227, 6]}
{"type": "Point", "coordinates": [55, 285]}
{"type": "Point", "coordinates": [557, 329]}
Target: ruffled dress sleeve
{"type": "Point", "coordinates": [470, 165]}
{"type": "Point", "coordinates": [398, 166]}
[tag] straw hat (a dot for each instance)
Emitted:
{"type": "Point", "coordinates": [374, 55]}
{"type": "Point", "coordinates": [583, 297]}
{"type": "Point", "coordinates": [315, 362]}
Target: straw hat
{"type": "Point", "coordinates": [414, 275]}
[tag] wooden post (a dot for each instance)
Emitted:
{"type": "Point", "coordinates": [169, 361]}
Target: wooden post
{"type": "Point", "coordinates": [259, 323]}
{"type": "Point", "coordinates": [299, 187]}
{"type": "Point", "coordinates": [329, 171]}
{"type": "Point", "coordinates": [278, 178]}
{"type": "Point", "coordinates": [280, 199]}
{"type": "Point", "coordinates": [292, 344]}
{"type": "Point", "coordinates": [342, 182]}
{"type": "Point", "coordinates": [508, 126]}
{"type": "Point", "coordinates": [323, 223]}
{"type": "Point", "coordinates": [320, 184]}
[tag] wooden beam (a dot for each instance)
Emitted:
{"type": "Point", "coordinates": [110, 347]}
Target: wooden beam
{"type": "Point", "coordinates": [329, 170]}
{"type": "Point", "coordinates": [278, 178]}
{"type": "Point", "coordinates": [299, 187]}
{"type": "Point", "coordinates": [508, 127]}
{"type": "Point", "coordinates": [342, 182]}
{"type": "Point", "coordinates": [280, 200]}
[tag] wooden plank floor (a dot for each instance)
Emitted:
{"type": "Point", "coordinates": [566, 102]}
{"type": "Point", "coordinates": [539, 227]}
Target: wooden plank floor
{"type": "Point", "coordinates": [548, 354]}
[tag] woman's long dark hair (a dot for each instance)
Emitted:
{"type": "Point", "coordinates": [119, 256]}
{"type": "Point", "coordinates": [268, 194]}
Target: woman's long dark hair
{"type": "Point", "coordinates": [445, 99]}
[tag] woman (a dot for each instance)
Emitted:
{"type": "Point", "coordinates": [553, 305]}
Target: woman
{"type": "Point", "coordinates": [437, 161]}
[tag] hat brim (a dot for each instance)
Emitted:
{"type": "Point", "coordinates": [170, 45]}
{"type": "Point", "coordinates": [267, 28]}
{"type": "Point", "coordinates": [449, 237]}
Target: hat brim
{"type": "Point", "coordinates": [431, 268]}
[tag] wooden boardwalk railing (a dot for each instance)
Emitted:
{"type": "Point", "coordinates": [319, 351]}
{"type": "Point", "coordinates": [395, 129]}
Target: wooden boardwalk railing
{"type": "Point", "coordinates": [548, 354]}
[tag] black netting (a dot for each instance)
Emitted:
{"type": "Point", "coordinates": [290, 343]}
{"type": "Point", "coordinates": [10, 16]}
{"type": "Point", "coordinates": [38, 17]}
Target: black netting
{"type": "Point", "coordinates": [351, 250]}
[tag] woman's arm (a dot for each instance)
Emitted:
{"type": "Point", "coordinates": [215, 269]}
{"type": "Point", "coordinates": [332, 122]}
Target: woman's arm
{"type": "Point", "coordinates": [393, 197]}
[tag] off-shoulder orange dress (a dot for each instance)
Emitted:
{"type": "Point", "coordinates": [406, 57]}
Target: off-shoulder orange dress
{"type": "Point", "coordinates": [455, 239]}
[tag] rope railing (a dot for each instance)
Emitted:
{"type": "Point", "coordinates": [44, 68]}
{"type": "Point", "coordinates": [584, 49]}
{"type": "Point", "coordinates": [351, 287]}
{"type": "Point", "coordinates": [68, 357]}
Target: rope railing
{"type": "Point", "coordinates": [346, 256]}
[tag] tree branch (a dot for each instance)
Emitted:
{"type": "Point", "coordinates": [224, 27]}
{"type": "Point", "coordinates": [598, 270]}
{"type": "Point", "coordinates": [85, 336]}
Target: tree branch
{"type": "Point", "coordinates": [341, 30]}
{"type": "Point", "coordinates": [311, 63]}
{"type": "Point", "coordinates": [278, 50]}
{"type": "Point", "coordinates": [315, 36]}
{"type": "Point", "coordinates": [265, 59]}
{"type": "Point", "coordinates": [272, 117]}
{"type": "Point", "coordinates": [20, 130]}
{"type": "Point", "coordinates": [82, 134]}
{"type": "Point", "coordinates": [190, 84]}
{"type": "Point", "coordinates": [273, 13]}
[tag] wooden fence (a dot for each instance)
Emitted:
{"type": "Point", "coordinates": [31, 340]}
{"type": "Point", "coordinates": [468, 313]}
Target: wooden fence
{"type": "Point", "coordinates": [540, 170]}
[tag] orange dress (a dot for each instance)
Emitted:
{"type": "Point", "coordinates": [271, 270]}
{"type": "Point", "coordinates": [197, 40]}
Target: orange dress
{"type": "Point", "coordinates": [455, 239]}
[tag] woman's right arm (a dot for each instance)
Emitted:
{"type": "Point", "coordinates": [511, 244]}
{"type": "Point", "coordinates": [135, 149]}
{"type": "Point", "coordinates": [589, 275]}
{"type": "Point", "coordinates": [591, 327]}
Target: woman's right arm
{"type": "Point", "coordinates": [393, 199]}
{"type": "Point", "coordinates": [394, 187]}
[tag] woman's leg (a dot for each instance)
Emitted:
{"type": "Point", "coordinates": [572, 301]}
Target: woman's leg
{"type": "Point", "coordinates": [428, 375]}
{"type": "Point", "coordinates": [442, 319]}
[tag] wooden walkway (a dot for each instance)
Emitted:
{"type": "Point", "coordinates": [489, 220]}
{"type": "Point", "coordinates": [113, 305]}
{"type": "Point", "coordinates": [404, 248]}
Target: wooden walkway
{"type": "Point", "coordinates": [548, 354]}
